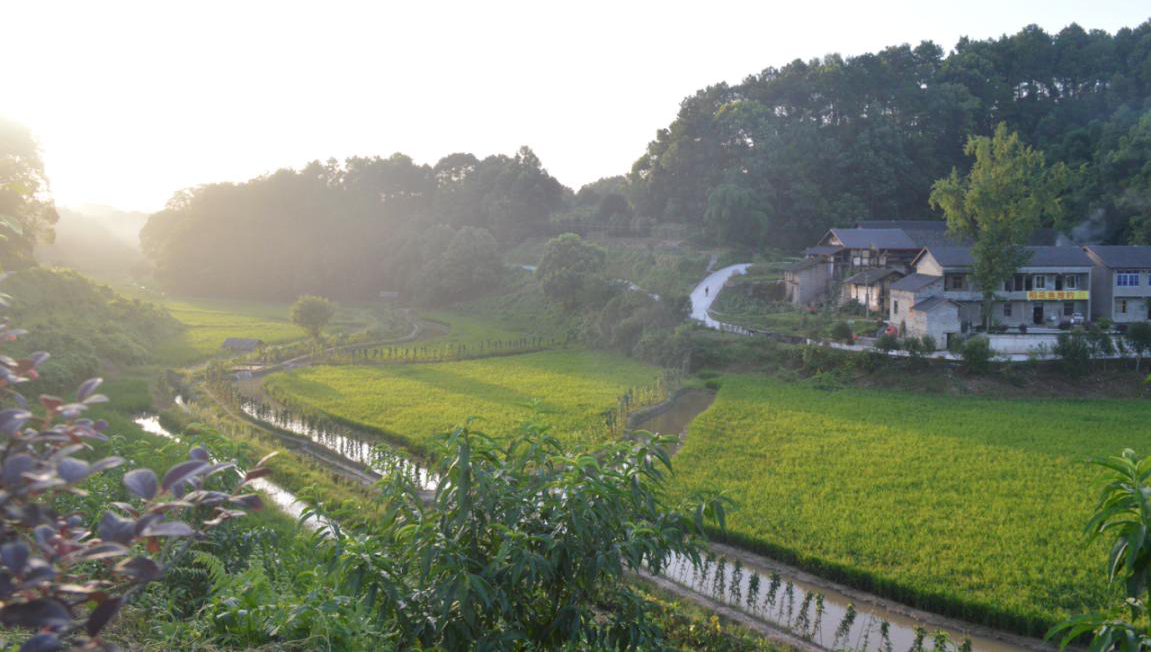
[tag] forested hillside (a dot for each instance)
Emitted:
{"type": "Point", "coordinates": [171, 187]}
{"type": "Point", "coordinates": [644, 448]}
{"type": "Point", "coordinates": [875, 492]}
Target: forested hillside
{"type": "Point", "coordinates": [352, 229]}
{"type": "Point", "coordinates": [771, 162]}
{"type": "Point", "coordinates": [791, 151]}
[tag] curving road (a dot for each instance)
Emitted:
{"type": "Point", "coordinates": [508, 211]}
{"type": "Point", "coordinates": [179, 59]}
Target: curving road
{"type": "Point", "coordinates": [705, 293]}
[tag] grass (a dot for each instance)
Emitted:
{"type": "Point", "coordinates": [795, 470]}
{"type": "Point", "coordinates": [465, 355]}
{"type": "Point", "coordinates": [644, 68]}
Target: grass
{"type": "Point", "coordinates": [972, 506]}
{"type": "Point", "coordinates": [570, 389]}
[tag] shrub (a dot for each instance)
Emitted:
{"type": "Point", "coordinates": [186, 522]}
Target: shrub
{"type": "Point", "coordinates": [887, 342]}
{"type": "Point", "coordinates": [977, 354]}
{"type": "Point", "coordinates": [927, 342]}
{"type": "Point", "coordinates": [50, 587]}
{"type": "Point", "coordinates": [842, 332]}
{"type": "Point", "coordinates": [1074, 353]}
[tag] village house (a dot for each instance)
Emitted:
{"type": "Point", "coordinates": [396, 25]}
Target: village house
{"type": "Point", "coordinates": [1051, 289]}
{"type": "Point", "coordinates": [842, 265]}
{"type": "Point", "coordinates": [1121, 283]}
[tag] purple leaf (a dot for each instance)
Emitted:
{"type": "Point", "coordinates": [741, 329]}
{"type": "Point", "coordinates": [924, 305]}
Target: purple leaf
{"type": "Point", "coordinates": [168, 529]}
{"type": "Point", "coordinates": [249, 501]}
{"type": "Point", "coordinates": [13, 419]}
{"type": "Point", "coordinates": [15, 468]}
{"type": "Point", "coordinates": [15, 556]}
{"type": "Point", "coordinates": [114, 528]}
{"type": "Point", "coordinates": [140, 568]}
{"type": "Point", "coordinates": [43, 642]}
{"type": "Point", "coordinates": [87, 388]}
{"type": "Point", "coordinates": [198, 453]}
{"type": "Point", "coordinates": [142, 482]}
{"type": "Point", "coordinates": [101, 551]}
{"type": "Point", "coordinates": [106, 463]}
{"type": "Point", "coordinates": [183, 472]}
{"type": "Point", "coordinates": [103, 614]}
{"type": "Point", "coordinates": [72, 469]}
{"type": "Point", "coordinates": [41, 613]}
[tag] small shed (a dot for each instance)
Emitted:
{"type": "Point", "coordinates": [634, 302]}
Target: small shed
{"type": "Point", "coordinates": [242, 344]}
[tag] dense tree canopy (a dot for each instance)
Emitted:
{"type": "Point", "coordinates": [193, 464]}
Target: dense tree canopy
{"type": "Point", "coordinates": [789, 152]}
{"type": "Point", "coordinates": [26, 211]}
{"type": "Point", "coordinates": [350, 229]}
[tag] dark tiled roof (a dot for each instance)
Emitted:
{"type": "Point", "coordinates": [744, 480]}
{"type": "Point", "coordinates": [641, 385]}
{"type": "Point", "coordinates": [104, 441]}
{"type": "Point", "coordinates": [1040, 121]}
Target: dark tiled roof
{"type": "Point", "coordinates": [874, 238]}
{"type": "Point", "coordinates": [934, 225]}
{"type": "Point", "coordinates": [822, 250]}
{"type": "Point", "coordinates": [1058, 257]}
{"type": "Point", "coordinates": [932, 303]}
{"type": "Point", "coordinates": [1068, 256]}
{"type": "Point", "coordinates": [242, 343]}
{"type": "Point", "coordinates": [915, 282]}
{"type": "Point", "coordinates": [802, 264]}
{"type": "Point", "coordinates": [1122, 256]}
{"type": "Point", "coordinates": [871, 277]}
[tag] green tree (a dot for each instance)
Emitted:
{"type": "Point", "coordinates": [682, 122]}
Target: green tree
{"type": "Point", "coordinates": [570, 269]}
{"type": "Point", "coordinates": [525, 544]}
{"type": "Point", "coordinates": [1138, 338]}
{"type": "Point", "coordinates": [1008, 193]}
{"type": "Point", "coordinates": [312, 314]}
{"type": "Point", "coordinates": [26, 211]}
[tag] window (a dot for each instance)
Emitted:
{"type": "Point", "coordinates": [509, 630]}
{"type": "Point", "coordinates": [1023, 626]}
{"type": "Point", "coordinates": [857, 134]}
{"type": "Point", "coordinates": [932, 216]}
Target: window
{"type": "Point", "coordinates": [1127, 279]}
{"type": "Point", "coordinates": [1068, 309]}
{"type": "Point", "coordinates": [1040, 282]}
{"type": "Point", "coordinates": [1071, 281]}
{"type": "Point", "coordinates": [1007, 309]}
{"type": "Point", "coordinates": [1120, 305]}
{"type": "Point", "coordinates": [895, 305]}
{"type": "Point", "coordinates": [956, 282]}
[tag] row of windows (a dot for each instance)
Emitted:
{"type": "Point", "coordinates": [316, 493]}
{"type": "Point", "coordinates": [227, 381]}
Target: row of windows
{"type": "Point", "coordinates": [1068, 309]}
{"type": "Point", "coordinates": [1025, 282]}
{"type": "Point", "coordinates": [1127, 278]}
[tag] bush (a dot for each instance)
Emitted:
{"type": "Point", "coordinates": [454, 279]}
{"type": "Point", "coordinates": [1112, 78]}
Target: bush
{"type": "Point", "coordinates": [928, 344]}
{"type": "Point", "coordinates": [887, 342]}
{"type": "Point", "coordinates": [67, 576]}
{"type": "Point", "coordinates": [1074, 353]}
{"type": "Point", "coordinates": [842, 332]}
{"type": "Point", "coordinates": [1022, 328]}
{"type": "Point", "coordinates": [977, 354]}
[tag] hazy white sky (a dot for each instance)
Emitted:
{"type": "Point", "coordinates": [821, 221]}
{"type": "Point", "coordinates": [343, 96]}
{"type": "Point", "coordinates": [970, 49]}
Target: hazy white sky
{"type": "Point", "coordinates": [132, 101]}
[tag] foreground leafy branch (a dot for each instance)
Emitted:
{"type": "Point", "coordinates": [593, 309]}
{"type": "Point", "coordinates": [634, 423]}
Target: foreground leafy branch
{"type": "Point", "coordinates": [1124, 514]}
{"type": "Point", "coordinates": [64, 577]}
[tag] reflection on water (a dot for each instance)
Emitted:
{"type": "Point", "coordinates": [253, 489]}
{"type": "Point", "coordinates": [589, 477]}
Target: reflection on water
{"type": "Point", "coordinates": [823, 616]}
{"type": "Point", "coordinates": [371, 455]}
{"type": "Point", "coordinates": [284, 500]}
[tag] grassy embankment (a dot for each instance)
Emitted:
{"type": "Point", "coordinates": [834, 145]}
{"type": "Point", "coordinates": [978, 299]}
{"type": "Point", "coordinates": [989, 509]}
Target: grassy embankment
{"type": "Point", "coordinates": [971, 506]}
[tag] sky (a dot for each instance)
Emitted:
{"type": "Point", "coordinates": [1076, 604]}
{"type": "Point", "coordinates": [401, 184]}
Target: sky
{"type": "Point", "coordinates": [132, 101]}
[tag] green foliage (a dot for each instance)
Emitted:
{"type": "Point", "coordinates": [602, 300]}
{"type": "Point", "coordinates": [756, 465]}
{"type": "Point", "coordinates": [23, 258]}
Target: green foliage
{"type": "Point", "coordinates": [85, 325]}
{"type": "Point", "coordinates": [1138, 338]}
{"type": "Point", "coordinates": [1074, 352]}
{"type": "Point", "coordinates": [977, 354]}
{"type": "Point", "coordinates": [887, 342]}
{"type": "Point", "coordinates": [456, 264]}
{"type": "Point", "coordinates": [26, 213]}
{"type": "Point", "coordinates": [526, 545]}
{"type": "Point", "coordinates": [263, 239]}
{"type": "Point", "coordinates": [1008, 193]}
{"type": "Point", "coordinates": [928, 499]}
{"type": "Point", "coordinates": [312, 314]}
{"type": "Point", "coordinates": [571, 271]}
{"type": "Point", "coordinates": [842, 332]}
{"type": "Point", "coordinates": [1124, 516]}
{"type": "Point", "coordinates": [829, 141]}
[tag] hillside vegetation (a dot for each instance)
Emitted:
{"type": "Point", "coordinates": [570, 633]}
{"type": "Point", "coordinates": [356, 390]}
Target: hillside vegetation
{"type": "Point", "coordinates": [84, 325]}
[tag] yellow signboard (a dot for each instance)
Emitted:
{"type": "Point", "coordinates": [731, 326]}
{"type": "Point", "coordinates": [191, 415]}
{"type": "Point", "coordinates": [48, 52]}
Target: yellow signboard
{"type": "Point", "coordinates": [1039, 295]}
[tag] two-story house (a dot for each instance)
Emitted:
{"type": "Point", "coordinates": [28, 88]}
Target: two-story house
{"type": "Point", "coordinates": [1121, 282]}
{"type": "Point", "coordinates": [1053, 286]}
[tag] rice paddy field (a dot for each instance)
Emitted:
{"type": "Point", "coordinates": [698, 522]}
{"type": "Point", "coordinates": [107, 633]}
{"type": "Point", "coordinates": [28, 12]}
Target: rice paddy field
{"type": "Point", "coordinates": [209, 322]}
{"type": "Point", "coordinates": [569, 390]}
{"type": "Point", "coordinates": [972, 506]}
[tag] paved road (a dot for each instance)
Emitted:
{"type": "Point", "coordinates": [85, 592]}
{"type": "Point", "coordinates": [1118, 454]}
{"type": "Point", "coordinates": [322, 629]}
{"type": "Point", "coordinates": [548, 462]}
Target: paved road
{"type": "Point", "coordinates": [706, 292]}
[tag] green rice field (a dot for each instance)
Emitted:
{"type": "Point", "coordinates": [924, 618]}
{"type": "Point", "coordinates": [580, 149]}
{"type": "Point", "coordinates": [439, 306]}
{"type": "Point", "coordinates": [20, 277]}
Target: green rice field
{"type": "Point", "coordinates": [972, 506]}
{"type": "Point", "coordinates": [569, 390]}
